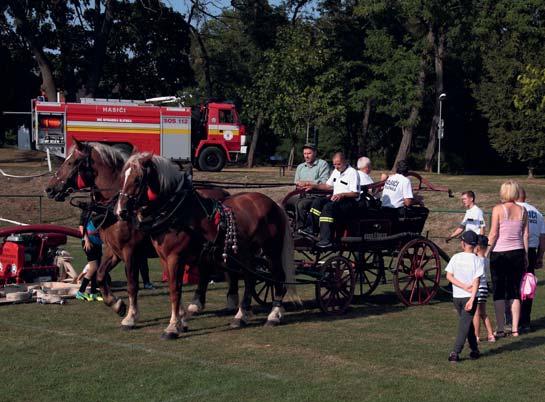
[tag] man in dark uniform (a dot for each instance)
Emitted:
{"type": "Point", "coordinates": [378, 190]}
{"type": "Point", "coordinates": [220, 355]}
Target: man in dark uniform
{"type": "Point", "coordinates": [344, 181]}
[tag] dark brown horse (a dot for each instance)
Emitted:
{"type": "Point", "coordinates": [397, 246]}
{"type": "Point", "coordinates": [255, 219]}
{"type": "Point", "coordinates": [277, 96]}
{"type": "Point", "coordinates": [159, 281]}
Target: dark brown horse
{"type": "Point", "coordinates": [186, 228]}
{"type": "Point", "coordinates": [97, 167]}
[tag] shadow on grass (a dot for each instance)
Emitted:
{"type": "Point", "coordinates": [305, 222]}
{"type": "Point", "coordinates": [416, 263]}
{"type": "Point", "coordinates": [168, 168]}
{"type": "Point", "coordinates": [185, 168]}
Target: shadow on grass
{"type": "Point", "coordinates": [522, 342]}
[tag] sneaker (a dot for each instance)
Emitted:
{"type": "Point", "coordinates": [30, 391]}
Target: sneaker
{"type": "Point", "coordinates": [149, 286]}
{"type": "Point", "coordinates": [453, 357]}
{"type": "Point", "coordinates": [95, 297]}
{"type": "Point", "coordinates": [81, 296]}
{"type": "Point", "coordinates": [474, 354]}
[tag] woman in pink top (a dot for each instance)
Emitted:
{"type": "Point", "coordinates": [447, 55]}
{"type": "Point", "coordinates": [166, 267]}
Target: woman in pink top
{"type": "Point", "coordinates": [508, 253]}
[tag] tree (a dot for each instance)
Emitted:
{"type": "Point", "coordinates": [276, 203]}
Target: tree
{"type": "Point", "coordinates": [511, 35]}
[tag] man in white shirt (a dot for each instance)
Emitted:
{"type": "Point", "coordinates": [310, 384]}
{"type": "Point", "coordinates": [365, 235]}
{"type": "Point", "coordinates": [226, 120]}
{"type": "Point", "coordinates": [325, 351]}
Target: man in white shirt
{"type": "Point", "coordinates": [536, 248]}
{"type": "Point", "coordinates": [364, 169]}
{"type": "Point", "coordinates": [473, 219]}
{"type": "Point", "coordinates": [344, 181]}
{"type": "Point", "coordinates": [397, 191]}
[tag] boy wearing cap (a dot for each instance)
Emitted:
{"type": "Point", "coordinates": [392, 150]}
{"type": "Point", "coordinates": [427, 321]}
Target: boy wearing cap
{"type": "Point", "coordinates": [311, 171]}
{"type": "Point", "coordinates": [464, 271]}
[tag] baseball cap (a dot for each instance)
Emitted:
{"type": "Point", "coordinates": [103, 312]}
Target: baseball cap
{"type": "Point", "coordinates": [310, 145]}
{"type": "Point", "coordinates": [470, 237]}
{"type": "Point", "coordinates": [482, 240]}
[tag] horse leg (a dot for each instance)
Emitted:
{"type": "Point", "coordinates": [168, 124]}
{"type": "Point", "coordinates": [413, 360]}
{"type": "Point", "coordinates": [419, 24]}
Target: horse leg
{"type": "Point", "coordinates": [176, 324]}
{"type": "Point", "coordinates": [245, 310]}
{"type": "Point", "coordinates": [232, 291]}
{"type": "Point", "coordinates": [275, 316]}
{"type": "Point", "coordinates": [109, 261]}
{"type": "Point", "coordinates": [199, 297]}
{"type": "Point", "coordinates": [131, 272]}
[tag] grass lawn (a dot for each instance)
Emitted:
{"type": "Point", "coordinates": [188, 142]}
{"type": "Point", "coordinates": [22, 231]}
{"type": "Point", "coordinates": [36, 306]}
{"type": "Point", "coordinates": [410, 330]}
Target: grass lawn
{"type": "Point", "coordinates": [379, 351]}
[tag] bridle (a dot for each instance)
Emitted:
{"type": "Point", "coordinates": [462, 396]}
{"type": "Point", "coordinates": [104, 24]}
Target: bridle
{"type": "Point", "coordinates": [138, 199]}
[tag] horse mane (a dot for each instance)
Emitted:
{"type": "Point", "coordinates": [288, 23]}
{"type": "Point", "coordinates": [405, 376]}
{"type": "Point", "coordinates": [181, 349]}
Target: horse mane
{"type": "Point", "coordinates": [113, 157]}
{"type": "Point", "coordinates": [167, 172]}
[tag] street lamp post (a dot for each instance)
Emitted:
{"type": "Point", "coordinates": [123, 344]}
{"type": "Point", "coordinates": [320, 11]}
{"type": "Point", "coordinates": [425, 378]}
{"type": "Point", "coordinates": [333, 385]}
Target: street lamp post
{"type": "Point", "coordinates": [441, 131]}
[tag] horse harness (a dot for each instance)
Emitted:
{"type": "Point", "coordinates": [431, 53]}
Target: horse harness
{"type": "Point", "coordinates": [170, 215]}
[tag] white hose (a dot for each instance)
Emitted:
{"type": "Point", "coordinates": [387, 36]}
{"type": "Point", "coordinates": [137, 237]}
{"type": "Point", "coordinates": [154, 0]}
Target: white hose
{"type": "Point", "coordinates": [22, 177]}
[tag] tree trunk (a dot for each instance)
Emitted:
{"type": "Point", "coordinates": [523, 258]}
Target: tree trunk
{"type": "Point", "coordinates": [255, 137]}
{"type": "Point", "coordinates": [25, 30]}
{"type": "Point", "coordinates": [291, 157]}
{"type": "Point", "coordinates": [103, 27]}
{"type": "Point", "coordinates": [362, 143]}
{"type": "Point", "coordinates": [407, 130]}
{"type": "Point", "coordinates": [206, 61]}
{"type": "Point", "coordinates": [48, 82]}
{"type": "Point", "coordinates": [439, 53]}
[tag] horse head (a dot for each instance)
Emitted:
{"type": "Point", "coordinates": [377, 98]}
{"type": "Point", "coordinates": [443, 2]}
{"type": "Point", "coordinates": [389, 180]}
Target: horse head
{"type": "Point", "coordinates": [140, 186]}
{"type": "Point", "coordinates": [75, 173]}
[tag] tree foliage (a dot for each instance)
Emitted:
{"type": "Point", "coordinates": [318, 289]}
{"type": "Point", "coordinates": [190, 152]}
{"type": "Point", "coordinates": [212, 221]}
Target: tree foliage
{"type": "Point", "coordinates": [366, 75]}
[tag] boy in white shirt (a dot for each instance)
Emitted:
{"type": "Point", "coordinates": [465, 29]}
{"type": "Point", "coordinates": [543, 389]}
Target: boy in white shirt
{"type": "Point", "coordinates": [464, 271]}
{"type": "Point", "coordinates": [473, 219]}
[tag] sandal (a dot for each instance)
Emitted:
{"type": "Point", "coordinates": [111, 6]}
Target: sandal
{"type": "Point", "coordinates": [514, 333]}
{"type": "Point", "coordinates": [499, 334]}
{"type": "Point", "coordinates": [491, 338]}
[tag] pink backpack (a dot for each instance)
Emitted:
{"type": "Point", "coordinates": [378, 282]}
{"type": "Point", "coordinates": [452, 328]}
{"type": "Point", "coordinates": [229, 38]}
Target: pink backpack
{"type": "Point", "coordinates": [528, 286]}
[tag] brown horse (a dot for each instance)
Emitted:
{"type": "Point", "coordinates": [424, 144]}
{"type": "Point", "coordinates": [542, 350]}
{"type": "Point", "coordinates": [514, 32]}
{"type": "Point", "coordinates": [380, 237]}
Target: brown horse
{"type": "Point", "coordinates": [185, 227]}
{"type": "Point", "coordinates": [97, 167]}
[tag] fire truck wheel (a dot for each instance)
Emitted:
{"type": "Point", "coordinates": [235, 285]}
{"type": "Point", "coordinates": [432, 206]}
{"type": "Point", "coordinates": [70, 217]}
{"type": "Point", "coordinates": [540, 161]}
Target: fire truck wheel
{"type": "Point", "coordinates": [211, 159]}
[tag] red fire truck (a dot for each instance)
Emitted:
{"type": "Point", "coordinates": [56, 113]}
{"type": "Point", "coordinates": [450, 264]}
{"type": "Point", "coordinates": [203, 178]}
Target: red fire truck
{"type": "Point", "coordinates": [209, 135]}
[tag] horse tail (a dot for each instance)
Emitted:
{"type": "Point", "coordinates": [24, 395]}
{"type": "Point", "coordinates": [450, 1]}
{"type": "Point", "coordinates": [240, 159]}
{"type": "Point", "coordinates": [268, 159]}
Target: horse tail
{"type": "Point", "coordinates": [287, 261]}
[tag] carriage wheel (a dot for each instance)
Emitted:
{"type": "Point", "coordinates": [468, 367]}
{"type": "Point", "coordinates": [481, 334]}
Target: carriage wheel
{"type": "Point", "coordinates": [417, 272]}
{"type": "Point", "coordinates": [335, 288]}
{"type": "Point", "coordinates": [369, 268]}
{"type": "Point", "coordinates": [264, 288]}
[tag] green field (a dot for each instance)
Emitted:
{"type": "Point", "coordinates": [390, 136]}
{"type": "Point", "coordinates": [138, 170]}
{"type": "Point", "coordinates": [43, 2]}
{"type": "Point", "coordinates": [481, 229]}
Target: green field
{"type": "Point", "coordinates": [379, 351]}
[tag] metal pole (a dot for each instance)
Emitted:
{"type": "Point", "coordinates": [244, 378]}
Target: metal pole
{"type": "Point", "coordinates": [439, 135]}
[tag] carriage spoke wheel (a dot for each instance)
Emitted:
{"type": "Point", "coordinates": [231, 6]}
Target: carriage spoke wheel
{"type": "Point", "coordinates": [263, 291]}
{"type": "Point", "coordinates": [417, 272]}
{"type": "Point", "coordinates": [335, 288]}
{"type": "Point", "coordinates": [369, 270]}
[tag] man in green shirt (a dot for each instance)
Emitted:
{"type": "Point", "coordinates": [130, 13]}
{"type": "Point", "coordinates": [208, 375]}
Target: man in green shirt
{"type": "Point", "coordinates": [311, 171]}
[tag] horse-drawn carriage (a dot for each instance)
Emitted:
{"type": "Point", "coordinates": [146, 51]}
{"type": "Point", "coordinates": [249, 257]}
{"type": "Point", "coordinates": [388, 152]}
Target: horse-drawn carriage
{"type": "Point", "coordinates": [247, 234]}
{"type": "Point", "coordinates": [376, 241]}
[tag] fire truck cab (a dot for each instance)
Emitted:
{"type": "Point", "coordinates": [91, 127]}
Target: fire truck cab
{"type": "Point", "coordinates": [208, 136]}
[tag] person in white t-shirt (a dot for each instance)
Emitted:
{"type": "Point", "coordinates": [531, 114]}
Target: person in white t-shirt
{"type": "Point", "coordinates": [473, 219]}
{"type": "Point", "coordinates": [464, 271]}
{"type": "Point", "coordinates": [536, 248]}
{"type": "Point", "coordinates": [344, 181]}
{"type": "Point", "coordinates": [397, 191]}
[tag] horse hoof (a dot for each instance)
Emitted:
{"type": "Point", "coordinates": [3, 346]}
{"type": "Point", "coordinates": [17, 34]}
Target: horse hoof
{"type": "Point", "coordinates": [271, 323]}
{"type": "Point", "coordinates": [238, 323]}
{"type": "Point", "coordinates": [194, 309]}
{"type": "Point", "coordinates": [127, 327]}
{"type": "Point", "coordinates": [120, 308]}
{"type": "Point", "coordinates": [169, 336]}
